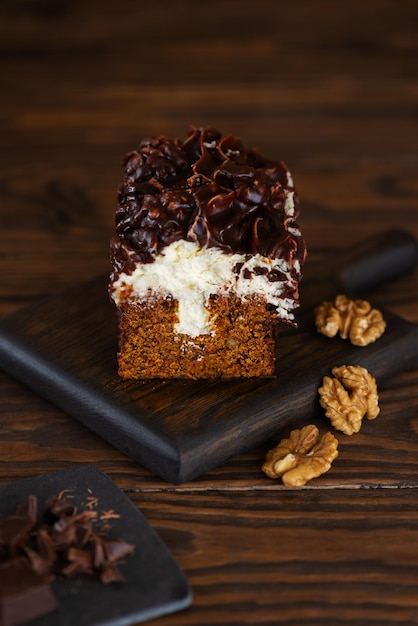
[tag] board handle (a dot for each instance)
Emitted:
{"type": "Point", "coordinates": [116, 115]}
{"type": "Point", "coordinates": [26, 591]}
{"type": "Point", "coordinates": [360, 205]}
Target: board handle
{"type": "Point", "coordinates": [375, 260]}
{"type": "Point", "coordinates": [360, 268]}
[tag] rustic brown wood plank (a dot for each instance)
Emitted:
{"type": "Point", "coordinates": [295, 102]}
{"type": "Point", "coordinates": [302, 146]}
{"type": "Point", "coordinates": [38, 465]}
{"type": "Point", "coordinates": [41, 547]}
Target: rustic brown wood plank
{"type": "Point", "coordinates": [265, 566]}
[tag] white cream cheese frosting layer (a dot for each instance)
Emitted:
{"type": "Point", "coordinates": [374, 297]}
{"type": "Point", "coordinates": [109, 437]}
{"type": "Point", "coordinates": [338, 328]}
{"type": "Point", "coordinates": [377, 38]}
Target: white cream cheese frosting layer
{"type": "Point", "coordinates": [190, 274]}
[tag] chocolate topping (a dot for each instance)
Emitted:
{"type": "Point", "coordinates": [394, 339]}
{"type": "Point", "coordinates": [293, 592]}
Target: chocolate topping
{"type": "Point", "coordinates": [207, 189]}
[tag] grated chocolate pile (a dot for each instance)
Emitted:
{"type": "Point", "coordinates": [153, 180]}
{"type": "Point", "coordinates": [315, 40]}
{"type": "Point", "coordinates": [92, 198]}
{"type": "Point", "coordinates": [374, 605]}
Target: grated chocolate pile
{"type": "Point", "coordinates": [63, 542]}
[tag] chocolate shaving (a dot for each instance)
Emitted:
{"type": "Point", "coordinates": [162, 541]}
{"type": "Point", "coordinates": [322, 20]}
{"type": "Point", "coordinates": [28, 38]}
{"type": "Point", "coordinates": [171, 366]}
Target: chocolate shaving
{"type": "Point", "coordinates": [208, 189]}
{"type": "Point", "coordinates": [109, 515]}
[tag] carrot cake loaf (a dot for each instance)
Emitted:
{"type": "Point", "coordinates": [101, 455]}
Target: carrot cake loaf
{"type": "Point", "coordinates": [206, 259]}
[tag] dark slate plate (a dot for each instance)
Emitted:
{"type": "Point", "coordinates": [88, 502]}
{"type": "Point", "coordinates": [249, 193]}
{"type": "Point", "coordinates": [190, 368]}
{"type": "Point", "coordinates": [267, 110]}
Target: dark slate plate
{"type": "Point", "coordinates": [156, 586]}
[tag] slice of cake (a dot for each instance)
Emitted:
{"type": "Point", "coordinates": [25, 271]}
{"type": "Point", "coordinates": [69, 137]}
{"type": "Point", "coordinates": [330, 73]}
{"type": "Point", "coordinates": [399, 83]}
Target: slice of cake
{"type": "Point", "coordinates": [206, 259]}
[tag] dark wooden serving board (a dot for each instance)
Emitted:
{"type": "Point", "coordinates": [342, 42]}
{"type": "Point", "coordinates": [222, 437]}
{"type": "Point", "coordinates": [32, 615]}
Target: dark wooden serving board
{"type": "Point", "coordinates": [64, 348]}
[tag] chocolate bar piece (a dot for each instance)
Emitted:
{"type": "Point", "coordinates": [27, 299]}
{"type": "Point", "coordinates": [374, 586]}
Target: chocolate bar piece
{"type": "Point", "coordinates": [24, 594]}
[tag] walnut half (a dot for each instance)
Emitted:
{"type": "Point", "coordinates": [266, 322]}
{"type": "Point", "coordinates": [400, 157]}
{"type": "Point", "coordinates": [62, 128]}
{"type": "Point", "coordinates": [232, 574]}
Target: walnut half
{"type": "Point", "coordinates": [301, 457]}
{"type": "Point", "coordinates": [352, 319]}
{"type": "Point", "coordinates": [348, 397]}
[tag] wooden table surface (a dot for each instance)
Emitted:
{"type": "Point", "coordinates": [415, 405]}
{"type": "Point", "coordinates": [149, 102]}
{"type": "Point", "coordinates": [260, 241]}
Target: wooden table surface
{"type": "Point", "coordinates": [332, 89]}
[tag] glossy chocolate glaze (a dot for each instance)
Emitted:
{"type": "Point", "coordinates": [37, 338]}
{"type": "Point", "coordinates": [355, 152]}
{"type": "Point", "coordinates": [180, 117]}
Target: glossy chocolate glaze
{"type": "Point", "coordinates": [208, 189]}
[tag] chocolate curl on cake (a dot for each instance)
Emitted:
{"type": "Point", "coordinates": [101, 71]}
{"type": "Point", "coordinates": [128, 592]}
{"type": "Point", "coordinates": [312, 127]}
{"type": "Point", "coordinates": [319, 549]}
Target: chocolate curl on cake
{"type": "Point", "coordinates": [208, 189]}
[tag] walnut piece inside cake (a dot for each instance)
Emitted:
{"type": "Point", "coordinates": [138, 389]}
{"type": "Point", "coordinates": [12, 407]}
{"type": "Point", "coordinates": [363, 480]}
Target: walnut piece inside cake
{"type": "Point", "coordinates": [206, 260]}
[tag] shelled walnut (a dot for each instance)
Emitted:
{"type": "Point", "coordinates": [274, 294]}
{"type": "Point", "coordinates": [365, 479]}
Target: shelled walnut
{"type": "Point", "coordinates": [355, 320]}
{"type": "Point", "coordinates": [348, 397]}
{"type": "Point", "coordinates": [301, 457]}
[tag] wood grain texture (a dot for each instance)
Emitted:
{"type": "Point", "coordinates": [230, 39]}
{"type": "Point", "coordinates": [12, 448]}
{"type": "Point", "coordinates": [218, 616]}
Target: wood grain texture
{"type": "Point", "coordinates": [281, 570]}
{"type": "Point", "coordinates": [64, 348]}
{"type": "Point", "coordinates": [329, 87]}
